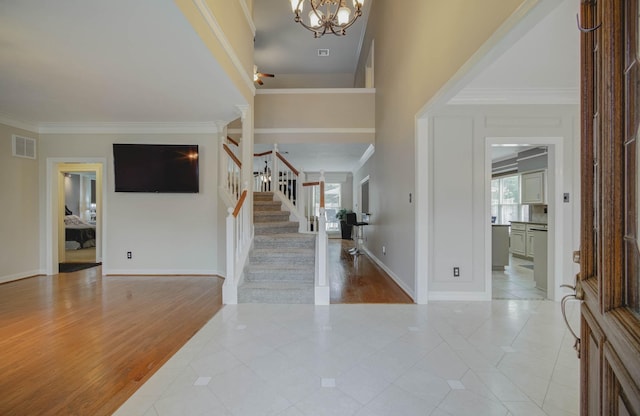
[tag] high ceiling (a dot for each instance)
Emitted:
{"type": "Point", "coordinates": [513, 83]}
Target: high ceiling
{"type": "Point", "coordinates": [118, 61]}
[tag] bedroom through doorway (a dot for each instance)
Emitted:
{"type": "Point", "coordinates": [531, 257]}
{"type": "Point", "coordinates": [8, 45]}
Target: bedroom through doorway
{"type": "Point", "coordinates": [79, 212]}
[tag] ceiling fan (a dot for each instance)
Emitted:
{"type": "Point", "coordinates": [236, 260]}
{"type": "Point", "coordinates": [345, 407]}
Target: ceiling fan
{"type": "Point", "coordinates": [257, 76]}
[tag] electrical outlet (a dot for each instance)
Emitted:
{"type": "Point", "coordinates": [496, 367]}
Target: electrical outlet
{"type": "Point", "coordinates": [129, 256]}
{"type": "Point", "coordinates": [384, 250]}
{"type": "Point", "coordinates": [456, 272]}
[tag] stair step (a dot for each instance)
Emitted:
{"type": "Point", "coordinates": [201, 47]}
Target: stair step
{"type": "Point", "coordinates": [270, 216]}
{"type": "Point", "coordinates": [267, 205]}
{"type": "Point", "coordinates": [279, 273]}
{"type": "Point", "coordinates": [263, 196]}
{"type": "Point", "coordinates": [276, 292]}
{"type": "Point", "coordinates": [295, 256]}
{"type": "Point", "coordinates": [279, 227]}
{"type": "Point", "coordinates": [291, 240]}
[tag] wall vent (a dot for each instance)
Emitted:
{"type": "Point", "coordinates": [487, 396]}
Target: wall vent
{"type": "Point", "coordinates": [24, 147]}
{"type": "Point", "coordinates": [323, 52]}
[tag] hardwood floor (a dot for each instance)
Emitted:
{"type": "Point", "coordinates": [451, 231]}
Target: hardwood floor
{"type": "Point", "coordinates": [80, 343]}
{"type": "Point", "coordinates": [359, 280]}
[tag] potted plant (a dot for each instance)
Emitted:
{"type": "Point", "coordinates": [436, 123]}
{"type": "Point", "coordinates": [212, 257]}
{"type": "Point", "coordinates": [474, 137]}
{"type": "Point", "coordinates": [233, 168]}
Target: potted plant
{"type": "Point", "coordinates": [344, 228]}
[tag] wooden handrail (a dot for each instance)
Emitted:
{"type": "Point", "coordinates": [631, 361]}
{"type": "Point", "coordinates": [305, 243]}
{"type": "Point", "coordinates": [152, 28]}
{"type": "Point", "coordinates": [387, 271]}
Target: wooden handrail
{"type": "Point", "coordinates": [262, 154]}
{"type": "Point", "coordinates": [233, 141]}
{"type": "Point", "coordinates": [232, 156]}
{"type": "Point", "coordinates": [311, 183]}
{"type": "Point", "coordinates": [286, 162]}
{"type": "Point", "coordinates": [322, 194]}
{"type": "Point", "coordinates": [238, 207]}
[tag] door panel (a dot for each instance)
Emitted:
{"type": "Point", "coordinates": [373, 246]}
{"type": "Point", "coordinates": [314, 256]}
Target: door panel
{"type": "Point", "coordinates": [609, 273]}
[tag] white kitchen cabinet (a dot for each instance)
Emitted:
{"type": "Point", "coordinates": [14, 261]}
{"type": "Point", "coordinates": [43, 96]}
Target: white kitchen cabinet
{"type": "Point", "coordinates": [517, 239]}
{"type": "Point", "coordinates": [530, 241]}
{"type": "Point", "coordinates": [533, 188]}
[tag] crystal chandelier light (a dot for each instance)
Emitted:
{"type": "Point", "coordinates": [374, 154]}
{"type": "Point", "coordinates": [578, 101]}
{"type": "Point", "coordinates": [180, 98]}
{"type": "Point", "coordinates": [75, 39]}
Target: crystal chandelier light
{"type": "Point", "coordinates": [327, 16]}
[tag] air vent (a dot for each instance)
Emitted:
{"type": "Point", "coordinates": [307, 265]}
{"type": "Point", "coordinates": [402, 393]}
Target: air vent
{"type": "Point", "coordinates": [24, 147]}
{"type": "Point", "coordinates": [323, 52]}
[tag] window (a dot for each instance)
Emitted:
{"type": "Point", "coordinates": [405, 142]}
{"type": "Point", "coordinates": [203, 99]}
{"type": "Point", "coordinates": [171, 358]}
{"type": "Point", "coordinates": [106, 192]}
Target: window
{"type": "Point", "coordinates": [505, 200]}
{"type": "Point", "coordinates": [332, 203]}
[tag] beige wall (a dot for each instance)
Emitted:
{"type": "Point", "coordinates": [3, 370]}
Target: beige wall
{"type": "Point", "coordinates": [418, 47]}
{"type": "Point", "coordinates": [19, 222]}
{"type": "Point", "coordinates": [237, 32]}
{"type": "Point", "coordinates": [167, 233]}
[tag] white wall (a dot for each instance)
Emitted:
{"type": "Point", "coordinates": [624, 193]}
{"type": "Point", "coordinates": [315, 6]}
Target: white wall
{"type": "Point", "coordinates": [458, 194]}
{"type": "Point", "coordinates": [167, 233]}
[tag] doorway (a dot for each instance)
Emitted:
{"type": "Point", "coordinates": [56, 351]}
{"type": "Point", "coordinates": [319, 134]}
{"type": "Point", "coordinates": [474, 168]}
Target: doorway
{"type": "Point", "coordinates": [520, 274]}
{"type": "Point", "coordinates": [74, 233]}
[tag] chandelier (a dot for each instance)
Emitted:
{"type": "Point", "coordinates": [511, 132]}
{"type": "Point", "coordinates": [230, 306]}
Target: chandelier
{"type": "Point", "coordinates": [327, 16]}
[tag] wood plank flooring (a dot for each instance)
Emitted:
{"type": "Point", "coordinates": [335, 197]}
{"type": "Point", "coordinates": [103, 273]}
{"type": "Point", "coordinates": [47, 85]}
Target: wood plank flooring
{"type": "Point", "coordinates": [359, 280]}
{"type": "Point", "coordinates": [81, 344]}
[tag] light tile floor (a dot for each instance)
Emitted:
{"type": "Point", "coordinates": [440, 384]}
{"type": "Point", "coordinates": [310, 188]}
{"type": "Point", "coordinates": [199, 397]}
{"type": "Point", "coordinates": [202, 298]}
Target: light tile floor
{"type": "Point", "coordinates": [516, 281]}
{"type": "Point", "coordinates": [445, 358]}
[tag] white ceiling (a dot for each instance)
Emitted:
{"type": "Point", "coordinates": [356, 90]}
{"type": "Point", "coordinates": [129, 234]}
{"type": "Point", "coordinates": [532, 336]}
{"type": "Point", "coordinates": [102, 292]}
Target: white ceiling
{"type": "Point", "coordinates": [90, 61]}
{"type": "Point", "coordinates": [69, 61]}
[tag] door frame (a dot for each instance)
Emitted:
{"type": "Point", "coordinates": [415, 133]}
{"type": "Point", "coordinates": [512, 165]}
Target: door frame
{"type": "Point", "coordinates": [555, 179]}
{"type": "Point", "coordinates": [55, 168]}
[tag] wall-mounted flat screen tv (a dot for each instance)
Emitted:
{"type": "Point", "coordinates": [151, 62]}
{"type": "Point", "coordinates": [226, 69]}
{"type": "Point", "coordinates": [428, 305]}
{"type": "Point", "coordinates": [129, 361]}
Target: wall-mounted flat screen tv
{"type": "Point", "coordinates": [157, 168]}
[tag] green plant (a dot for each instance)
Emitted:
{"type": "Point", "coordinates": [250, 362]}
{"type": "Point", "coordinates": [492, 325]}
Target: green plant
{"type": "Point", "coordinates": [342, 214]}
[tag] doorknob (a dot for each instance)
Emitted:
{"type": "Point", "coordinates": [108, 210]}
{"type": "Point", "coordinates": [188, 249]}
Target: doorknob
{"type": "Point", "coordinates": [578, 294]}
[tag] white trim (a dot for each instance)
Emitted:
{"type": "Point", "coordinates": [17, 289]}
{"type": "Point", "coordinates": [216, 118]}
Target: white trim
{"type": "Point", "coordinates": [208, 16]}
{"type": "Point", "coordinates": [532, 156]}
{"type": "Point", "coordinates": [475, 96]}
{"type": "Point", "coordinates": [364, 158]}
{"type": "Point", "coordinates": [339, 130]}
{"type": "Point", "coordinates": [129, 128]}
{"type": "Point", "coordinates": [163, 272]}
{"type": "Point", "coordinates": [18, 124]}
{"type": "Point", "coordinates": [19, 276]}
{"type": "Point", "coordinates": [459, 296]}
{"type": "Point", "coordinates": [316, 91]}
{"type": "Point", "coordinates": [247, 15]}
{"type": "Point", "coordinates": [391, 274]}
{"type": "Point", "coordinates": [423, 211]}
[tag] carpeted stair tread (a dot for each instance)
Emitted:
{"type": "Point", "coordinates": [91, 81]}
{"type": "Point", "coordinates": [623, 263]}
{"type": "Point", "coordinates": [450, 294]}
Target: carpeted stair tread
{"type": "Point", "coordinates": [278, 273]}
{"type": "Point", "coordinates": [276, 227]}
{"type": "Point", "coordinates": [267, 206]}
{"type": "Point", "coordinates": [285, 240]}
{"type": "Point", "coordinates": [270, 216]}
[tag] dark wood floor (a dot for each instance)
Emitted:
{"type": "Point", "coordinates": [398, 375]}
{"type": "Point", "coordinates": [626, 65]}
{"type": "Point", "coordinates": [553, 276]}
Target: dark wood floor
{"type": "Point", "coordinates": [359, 279]}
{"type": "Point", "coordinates": [80, 343]}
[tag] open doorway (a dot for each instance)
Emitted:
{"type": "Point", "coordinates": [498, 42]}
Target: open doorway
{"type": "Point", "coordinates": [522, 176]}
{"type": "Point", "coordinates": [77, 213]}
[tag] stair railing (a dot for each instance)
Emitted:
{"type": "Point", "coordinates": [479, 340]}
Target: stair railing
{"type": "Point", "coordinates": [230, 175]}
{"type": "Point", "coordinates": [274, 173]}
{"type": "Point", "coordinates": [238, 245]}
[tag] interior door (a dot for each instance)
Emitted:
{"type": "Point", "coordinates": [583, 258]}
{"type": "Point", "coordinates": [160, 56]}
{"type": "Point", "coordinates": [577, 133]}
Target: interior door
{"type": "Point", "coordinates": [609, 256]}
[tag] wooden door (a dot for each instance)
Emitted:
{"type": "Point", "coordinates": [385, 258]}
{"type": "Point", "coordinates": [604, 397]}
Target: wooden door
{"type": "Point", "coordinates": [609, 256]}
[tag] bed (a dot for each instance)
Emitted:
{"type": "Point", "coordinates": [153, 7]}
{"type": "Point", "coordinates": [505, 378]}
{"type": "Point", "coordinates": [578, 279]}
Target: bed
{"type": "Point", "coordinates": [78, 233]}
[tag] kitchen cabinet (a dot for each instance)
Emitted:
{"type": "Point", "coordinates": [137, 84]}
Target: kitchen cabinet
{"type": "Point", "coordinates": [530, 241]}
{"type": "Point", "coordinates": [518, 239]}
{"type": "Point", "coordinates": [533, 187]}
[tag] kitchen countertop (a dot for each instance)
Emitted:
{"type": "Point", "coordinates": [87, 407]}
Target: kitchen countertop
{"type": "Point", "coordinates": [530, 222]}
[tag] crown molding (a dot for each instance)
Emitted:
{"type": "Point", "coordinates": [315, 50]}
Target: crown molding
{"type": "Point", "coordinates": [364, 158]}
{"type": "Point", "coordinates": [130, 128]}
{"type": "Point", "coordinates": [315, 131]}
{"type": "Point", "coordinates": [19, 124]}
{"type": "Point", "coordinates": [496, 96]}
{"type": "Point", "coordinates": [275, 91]}
{"type": "Point", "coordinates": [247, 15]}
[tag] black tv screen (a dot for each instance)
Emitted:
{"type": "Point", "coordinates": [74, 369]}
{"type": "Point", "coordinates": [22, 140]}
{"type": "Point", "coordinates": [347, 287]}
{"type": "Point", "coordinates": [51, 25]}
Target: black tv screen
{"type": "Point", "coordinates": [160, 168]}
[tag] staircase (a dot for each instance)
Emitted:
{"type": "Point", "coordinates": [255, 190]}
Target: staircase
{"type": "Point", "coordinates": [281, 264]}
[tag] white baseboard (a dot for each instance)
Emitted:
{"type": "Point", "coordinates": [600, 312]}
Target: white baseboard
{"type": "Point", "coordinates": [23, 275]}
{"type": "Point", "coordinates": [459, 296]}
{"type": "Point", "coordinates": [395, 278]}
{"type": "Point", "coordinates": [160, 272]}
